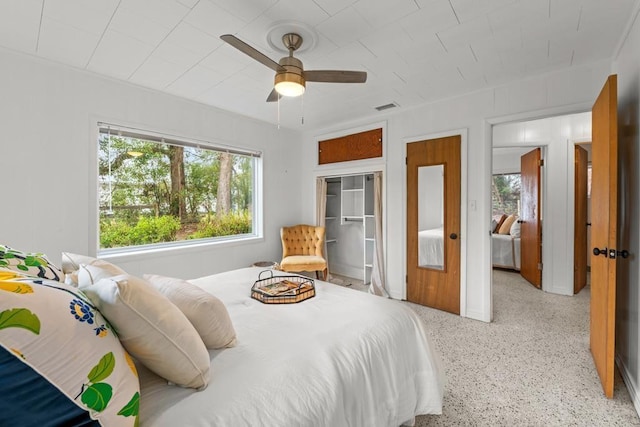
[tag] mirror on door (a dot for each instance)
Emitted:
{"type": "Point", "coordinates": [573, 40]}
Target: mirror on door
{"type": "Point", "coordinates": [431, 217]}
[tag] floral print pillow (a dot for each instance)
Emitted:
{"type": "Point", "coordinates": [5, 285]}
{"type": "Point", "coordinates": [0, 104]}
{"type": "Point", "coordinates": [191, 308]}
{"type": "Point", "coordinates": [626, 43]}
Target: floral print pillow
{"type": "Point", "coordinates": [29, 264]}
{"type": "Point", "coordinates": [56, 330]}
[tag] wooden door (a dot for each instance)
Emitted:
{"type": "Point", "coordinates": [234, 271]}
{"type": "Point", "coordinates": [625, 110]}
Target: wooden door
{"type": "Point", "coordinates": [530, 230]}
{"type": "Point", "coordinates": [604, 202]}
{"type": "Point", "coordinates": [434, 283]}
{"type": "Point", "coordinates": [581, 229]}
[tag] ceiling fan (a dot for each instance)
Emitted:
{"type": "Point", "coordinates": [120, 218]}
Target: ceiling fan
{"type": "Point", "coordinates": [291, 78]}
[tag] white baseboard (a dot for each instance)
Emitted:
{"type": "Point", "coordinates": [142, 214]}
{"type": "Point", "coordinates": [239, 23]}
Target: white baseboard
{"type": "Point", "coordinates": [346, 270]}
{"type": "Point", "coordinates": [632, 387]}
{"type": "Point", "coordinates": [477, 315]}
{"type": "Point", "coordinates": [395, 295]}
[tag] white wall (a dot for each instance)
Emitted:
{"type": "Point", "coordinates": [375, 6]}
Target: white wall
{"type": "Point", "coordinates": [570, 90]}
{"type": "Point", "coordinates": [48, 114]}
{"type": "Point", "coordinates": [507, 159]}
{"type": "Point", "coordinates": [627, 67]}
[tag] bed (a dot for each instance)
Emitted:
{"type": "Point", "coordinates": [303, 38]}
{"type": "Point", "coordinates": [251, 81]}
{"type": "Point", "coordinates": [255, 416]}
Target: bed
{"type": "Point", "coordinates": [340, 358]}
{"type": "Point", "coordinates": [505, 251]}
{"type": "Point", "coordinates": [431, 248]}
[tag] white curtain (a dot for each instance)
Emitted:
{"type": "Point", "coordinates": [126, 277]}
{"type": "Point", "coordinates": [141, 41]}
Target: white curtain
{"type": "Point", "coordinates": [377, 275]}
{"type": "Point", "coordinates": [321, 213]}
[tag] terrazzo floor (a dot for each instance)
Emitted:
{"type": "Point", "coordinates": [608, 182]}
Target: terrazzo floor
{"type": "Point", "coordinates": [530, 367]}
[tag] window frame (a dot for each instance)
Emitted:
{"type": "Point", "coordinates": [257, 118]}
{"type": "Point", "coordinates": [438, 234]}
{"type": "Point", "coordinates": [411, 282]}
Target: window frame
{"type": "Point", "coordinates": [257, 214]}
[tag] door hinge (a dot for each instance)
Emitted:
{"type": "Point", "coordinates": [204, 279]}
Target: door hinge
{"type": "Point", "coordinates": [406, 278]}
{"type": "Point", "coordinates": [406, 161]}
{"type": "Point", "coordinates": [541, 162]}
{"type": "Point", "coordinates": [540, 266]}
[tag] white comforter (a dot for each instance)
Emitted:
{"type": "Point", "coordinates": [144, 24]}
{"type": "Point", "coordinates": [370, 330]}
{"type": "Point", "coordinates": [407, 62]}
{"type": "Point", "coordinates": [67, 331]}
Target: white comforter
{"type": "Point", "coordinates": [342, 358]}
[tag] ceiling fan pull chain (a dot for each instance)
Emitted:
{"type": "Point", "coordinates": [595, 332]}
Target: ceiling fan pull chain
{"type": "Point", "coordinates": [302, 108]}
{"type": "Point", "coordinates": [278, 112]}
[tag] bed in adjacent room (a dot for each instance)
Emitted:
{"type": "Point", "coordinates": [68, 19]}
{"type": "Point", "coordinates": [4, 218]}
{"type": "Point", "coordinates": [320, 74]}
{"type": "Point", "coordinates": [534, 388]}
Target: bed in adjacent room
{"type": "Point", "coordinates": [505, 251]}
{"type": "Point", "coordinates": [505, 242]}
{"type": "Point", "coordinates": [340, 358]}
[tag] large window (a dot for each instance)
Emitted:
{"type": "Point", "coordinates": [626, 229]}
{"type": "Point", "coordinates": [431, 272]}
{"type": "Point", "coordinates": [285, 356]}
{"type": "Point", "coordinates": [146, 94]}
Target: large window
{"type": "Point", "coordinates": [505, 194]}
{"type": "Point", "coordinates": [156, 190]}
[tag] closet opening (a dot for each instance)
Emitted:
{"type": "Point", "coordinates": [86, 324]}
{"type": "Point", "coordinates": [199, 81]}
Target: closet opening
{"type": "Point", "coordinates": [349, 223]}
{"type": "Point", "coordinates": [350, 209]}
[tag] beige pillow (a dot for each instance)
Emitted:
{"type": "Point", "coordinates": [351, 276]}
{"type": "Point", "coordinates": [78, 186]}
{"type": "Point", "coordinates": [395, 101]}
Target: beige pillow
{"type": "Point", "coordinates": [505, 228]}
{"type": "Point", "coordinates": [152, 329]}
{"type": "Point", "coordinates": [71, 262]}
{"type": "Point", "coordinates": [97, 270]}
{"type": "Point", "coordinates": [499, 219]}
{"type": "Point", "coordinates": [205, 312]}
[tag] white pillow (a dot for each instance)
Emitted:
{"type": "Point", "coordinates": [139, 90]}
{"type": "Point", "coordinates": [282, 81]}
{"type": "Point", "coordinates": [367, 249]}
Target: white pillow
{"type": "Point", "coordinates": [152, 329]}
{"type": "Point", "coordinates": [97, 270]}
{"type": "Point", "coordinates": [205, 312]}
{"type": "Point", "coordinates": [515, 229]}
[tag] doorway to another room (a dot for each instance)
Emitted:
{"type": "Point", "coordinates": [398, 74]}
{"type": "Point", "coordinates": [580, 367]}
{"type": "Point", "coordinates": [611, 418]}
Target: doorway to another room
{"type": "Point", "coordinates": [556, 138]}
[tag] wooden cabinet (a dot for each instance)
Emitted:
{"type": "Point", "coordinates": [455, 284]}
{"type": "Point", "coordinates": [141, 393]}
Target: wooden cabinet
{"type": "Point", "coordinates": [358, 146]}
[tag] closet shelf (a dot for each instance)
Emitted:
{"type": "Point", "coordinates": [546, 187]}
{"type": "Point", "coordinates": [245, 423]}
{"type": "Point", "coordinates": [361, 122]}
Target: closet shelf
{"type": "Point", "coordinates": [369, 239]}
{"type": "Point", "coordinates": [349, 190]}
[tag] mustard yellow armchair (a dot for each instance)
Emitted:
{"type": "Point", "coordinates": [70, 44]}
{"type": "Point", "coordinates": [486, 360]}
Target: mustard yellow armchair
{"type": "Point", "coordinates": [303, 249]}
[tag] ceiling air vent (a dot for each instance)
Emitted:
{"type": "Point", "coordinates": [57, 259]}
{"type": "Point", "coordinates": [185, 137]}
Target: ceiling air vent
{"type": "Point", "coordinates": [386, 106]}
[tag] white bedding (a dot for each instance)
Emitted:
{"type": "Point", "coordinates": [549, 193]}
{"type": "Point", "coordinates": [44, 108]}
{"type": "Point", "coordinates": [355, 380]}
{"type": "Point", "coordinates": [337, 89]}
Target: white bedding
{"type": "Point", "coordinates": [341, 358]}
{"type": "Point", "coordinates": [431, 248]}
{"type": "Point", "coordinates": [505, 251]}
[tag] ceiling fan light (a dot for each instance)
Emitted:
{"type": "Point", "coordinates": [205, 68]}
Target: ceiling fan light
{"type": "Point", "coordinates": [289, 89]}
{"type": "Point", "coordinates": [289, 84]}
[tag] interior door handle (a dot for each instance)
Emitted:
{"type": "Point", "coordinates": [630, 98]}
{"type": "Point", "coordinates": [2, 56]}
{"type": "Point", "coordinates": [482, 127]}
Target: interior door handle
{"type": "Point", "coordinates": [623, 253]}
{"type": "Point", "coordinates": [453, 236]}
{"type": "Point", "coordinates": [597, 251]}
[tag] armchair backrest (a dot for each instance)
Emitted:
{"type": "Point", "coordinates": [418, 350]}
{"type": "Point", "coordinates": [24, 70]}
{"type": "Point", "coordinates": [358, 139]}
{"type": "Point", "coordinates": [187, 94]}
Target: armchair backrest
{"type": "Point", "coordinates": [302, 239]}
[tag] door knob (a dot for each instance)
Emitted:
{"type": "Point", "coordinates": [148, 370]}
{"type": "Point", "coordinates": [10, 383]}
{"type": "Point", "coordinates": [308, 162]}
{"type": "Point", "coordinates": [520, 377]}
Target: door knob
{"type": "Point", "coordinates": [623, 253]}
{"type": "Point", "coordinates": [597, 252]}
{"type": "Point", "coordinates": [453, 236]}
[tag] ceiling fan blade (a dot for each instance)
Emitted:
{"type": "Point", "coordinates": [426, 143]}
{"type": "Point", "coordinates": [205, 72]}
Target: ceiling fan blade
{"type": "Point", "coordinates": [252, 52]}
{"type": "Point", "coordinates": [335, 76]}
{"type": "Point", "coordinates": [273, 96]}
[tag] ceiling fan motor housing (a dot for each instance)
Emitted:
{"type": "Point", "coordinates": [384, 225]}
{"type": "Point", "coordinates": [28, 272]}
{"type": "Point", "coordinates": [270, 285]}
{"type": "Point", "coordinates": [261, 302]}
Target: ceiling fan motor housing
{"type": "Point", "coordinates": [293, 71]}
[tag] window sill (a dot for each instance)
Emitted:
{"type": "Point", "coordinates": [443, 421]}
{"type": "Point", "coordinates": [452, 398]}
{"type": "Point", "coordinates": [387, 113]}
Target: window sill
{"type": "Point", "coordinates": [184, 247]}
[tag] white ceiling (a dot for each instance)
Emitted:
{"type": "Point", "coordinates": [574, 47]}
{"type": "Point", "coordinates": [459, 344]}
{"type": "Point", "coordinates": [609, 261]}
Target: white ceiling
{"type": "Point", "coordinates": [415, 51]}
